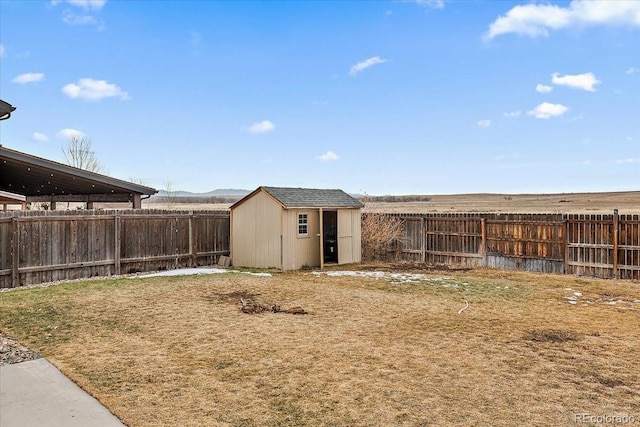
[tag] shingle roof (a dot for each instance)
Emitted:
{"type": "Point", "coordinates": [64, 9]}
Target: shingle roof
{"type": "Point", "coordinates": [311, 198]}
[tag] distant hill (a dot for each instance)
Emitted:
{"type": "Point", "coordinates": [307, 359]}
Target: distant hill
{"type": "Point", "coordinates": [221, 192]}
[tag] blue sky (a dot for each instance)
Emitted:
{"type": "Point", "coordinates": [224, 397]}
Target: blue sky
{"type": "Point", "coordinates": [381, 97]}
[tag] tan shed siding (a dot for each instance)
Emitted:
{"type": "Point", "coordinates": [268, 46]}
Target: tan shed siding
{"type": "Point", "coordinates": [356, 228]}
{"type": "Point", "coordinates": [256, 232]}
{"type": "Point", "coordinates": [300, 251]}
{"type": "Point", "coordinates": [349, 234]}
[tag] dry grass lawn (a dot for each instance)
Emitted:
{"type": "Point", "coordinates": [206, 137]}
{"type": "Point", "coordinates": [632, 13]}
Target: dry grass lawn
{"type": "Point", "coordinates": [178, 351]}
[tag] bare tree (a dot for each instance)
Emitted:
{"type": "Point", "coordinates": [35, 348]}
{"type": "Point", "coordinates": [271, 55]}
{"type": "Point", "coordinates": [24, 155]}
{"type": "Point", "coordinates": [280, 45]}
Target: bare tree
{"type": "Point", "coordinates": [170, 195]}
{"type": "Point", "coordinates": [79, 154]}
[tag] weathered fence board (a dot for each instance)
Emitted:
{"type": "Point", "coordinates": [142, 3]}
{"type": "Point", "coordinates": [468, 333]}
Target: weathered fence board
{"type": "Point", "coordinates": [525, 242]}
{"type": "Point", "coordinates": [628, 259]}
{"type": "Point", "coordinates": [590, 245]}
{"type": "Point", "coordinates": [455, 240]}
{"type": "Point", "coordinates": [605, 246]}
{"type": "Point", "coordinates": [50, 246]}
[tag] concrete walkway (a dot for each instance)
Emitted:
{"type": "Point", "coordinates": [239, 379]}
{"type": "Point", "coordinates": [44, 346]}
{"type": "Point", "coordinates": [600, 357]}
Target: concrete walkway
{"type": "Point", "coordinates": [36, 393]}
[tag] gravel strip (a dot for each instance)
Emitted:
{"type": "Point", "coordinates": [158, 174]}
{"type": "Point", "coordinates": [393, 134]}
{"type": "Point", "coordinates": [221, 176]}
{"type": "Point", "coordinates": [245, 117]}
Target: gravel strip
{"type": "Point", "coordinates": [11, 351]}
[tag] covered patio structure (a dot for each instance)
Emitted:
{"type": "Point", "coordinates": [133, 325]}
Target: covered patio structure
{"type": "Point", "coordinates": [42, 180]}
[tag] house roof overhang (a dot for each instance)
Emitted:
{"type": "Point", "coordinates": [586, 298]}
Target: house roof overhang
{"type": "Point", "coordinates": [44, 180]}
{"type": "Point", "coordinates": [10, 198]}
{"type": "Point", "coordinates": [5, 110]}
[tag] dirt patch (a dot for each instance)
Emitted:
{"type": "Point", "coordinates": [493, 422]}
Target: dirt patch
{"type": "Point", "coordinates": [233, 297]}
{"type": "Point", "coordinates": [249, 304]}
{"type": "Point", "coordinates": [609, 382]}
{"type": "Point", "coordinates": [551, 335]}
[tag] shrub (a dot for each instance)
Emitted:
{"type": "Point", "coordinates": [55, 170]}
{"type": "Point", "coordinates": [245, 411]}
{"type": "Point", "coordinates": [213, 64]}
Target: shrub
{"type": "Point", "coordinates": [379, 234]}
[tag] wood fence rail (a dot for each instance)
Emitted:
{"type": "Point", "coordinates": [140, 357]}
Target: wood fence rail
{"type": "Point", "coordinates": [38, 247]}
{"type": "Point", "coordinates": [605, 246]}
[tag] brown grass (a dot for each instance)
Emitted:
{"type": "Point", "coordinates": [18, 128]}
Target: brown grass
{"type": "Point", "coordinates": [178, 351]}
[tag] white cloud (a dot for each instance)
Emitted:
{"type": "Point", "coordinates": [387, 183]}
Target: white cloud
{"type": "Point", "coordinates": [436, 4]}
{"type": "Point", "coordinates": [585, 81]}
{"type": "Point", "coordinates": [628, 160]}
{"type": "Point", "coordinates": [28, 78]}
{"type": "Point", "coordinates": [85, 18]}
{"type": "Point", "coordinates": [40, 137]}
{"type": "Point", "coordinates": [1, 50]}
{"type": "Point", "coordinates": [633, 70]}
{"type": "Point", "coordinates": [68, 133]}
{"type": "Point", "coordinates": [84, 4]}
{"type": "Point", "coordinates": [366, 64]}
{"type": "Point", "coordinates": [536, 20]}
{"type": "Point", "coordinates": [543, 88]}
{"type": "Point", "coordinates": [512, 114]}
{"type": "Point", "coordinates": [531, 19]}
{"type": "Point", "coordinates": [261, 127]}
{"type": "Point", "coordinates": [484, 123]}
{"type": "Point", "coordinates": [547, 110]}
{"type": "Point", "coordinates": [329, 156]}
{"type": "Point", "coordinates": [94, 90]}
{"type": "Point", "coordinates": [73, 19]}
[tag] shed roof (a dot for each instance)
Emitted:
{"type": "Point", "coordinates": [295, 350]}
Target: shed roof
{"type": "Point", "coordinates": [34, 177]}
{"type": "Point", "coordinates": [307, 198]}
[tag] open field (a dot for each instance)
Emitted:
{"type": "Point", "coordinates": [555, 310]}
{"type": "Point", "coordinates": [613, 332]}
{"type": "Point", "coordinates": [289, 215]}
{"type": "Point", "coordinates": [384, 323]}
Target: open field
{"type": "Point", "coordinates": [530, 349]}
{"type": "Point", "coordinates": [574, 203]}
{"type": "Point", "coordinates": [570, 203]}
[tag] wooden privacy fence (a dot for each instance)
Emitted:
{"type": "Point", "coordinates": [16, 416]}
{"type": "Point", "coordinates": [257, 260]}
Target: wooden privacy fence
{"type": "Point", "coordinates": [606, 246]}
{"type": "Point", "coordinates": [37, 247]}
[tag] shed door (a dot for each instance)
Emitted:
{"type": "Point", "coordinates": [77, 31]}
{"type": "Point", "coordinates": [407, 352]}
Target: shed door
{"type": "Point", "coordinates": [345, 237]}
{"type": "Point", "coordinates": [330, 236]}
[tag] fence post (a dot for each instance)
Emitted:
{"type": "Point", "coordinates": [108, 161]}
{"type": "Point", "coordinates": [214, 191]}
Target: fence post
{"type": "Point", "coordinates": [423, 238]}
{"type": "Point", "coordinates": [615, 243]}
{"type": "Point", "coordinates": [483, 243]}
{"type": "Point", "coordinates": [116, 249]}
{"type": "Point", "coordinates": [565, 246]}
{"type": "Point", "coordinates": [192, 241]}
{"type": "Point", "coordinates": [15, 255]}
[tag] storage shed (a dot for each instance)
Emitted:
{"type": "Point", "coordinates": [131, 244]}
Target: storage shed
{"type": "Point", "coordinates": [288, 228]}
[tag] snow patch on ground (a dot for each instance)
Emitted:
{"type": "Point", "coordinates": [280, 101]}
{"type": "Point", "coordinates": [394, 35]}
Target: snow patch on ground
{"type": "Point", "coordinates": [193, 271]}
{"type": "Point", "coordinates": [397, 278]}
{"type": "Point", "coordinates": [621, 303]}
